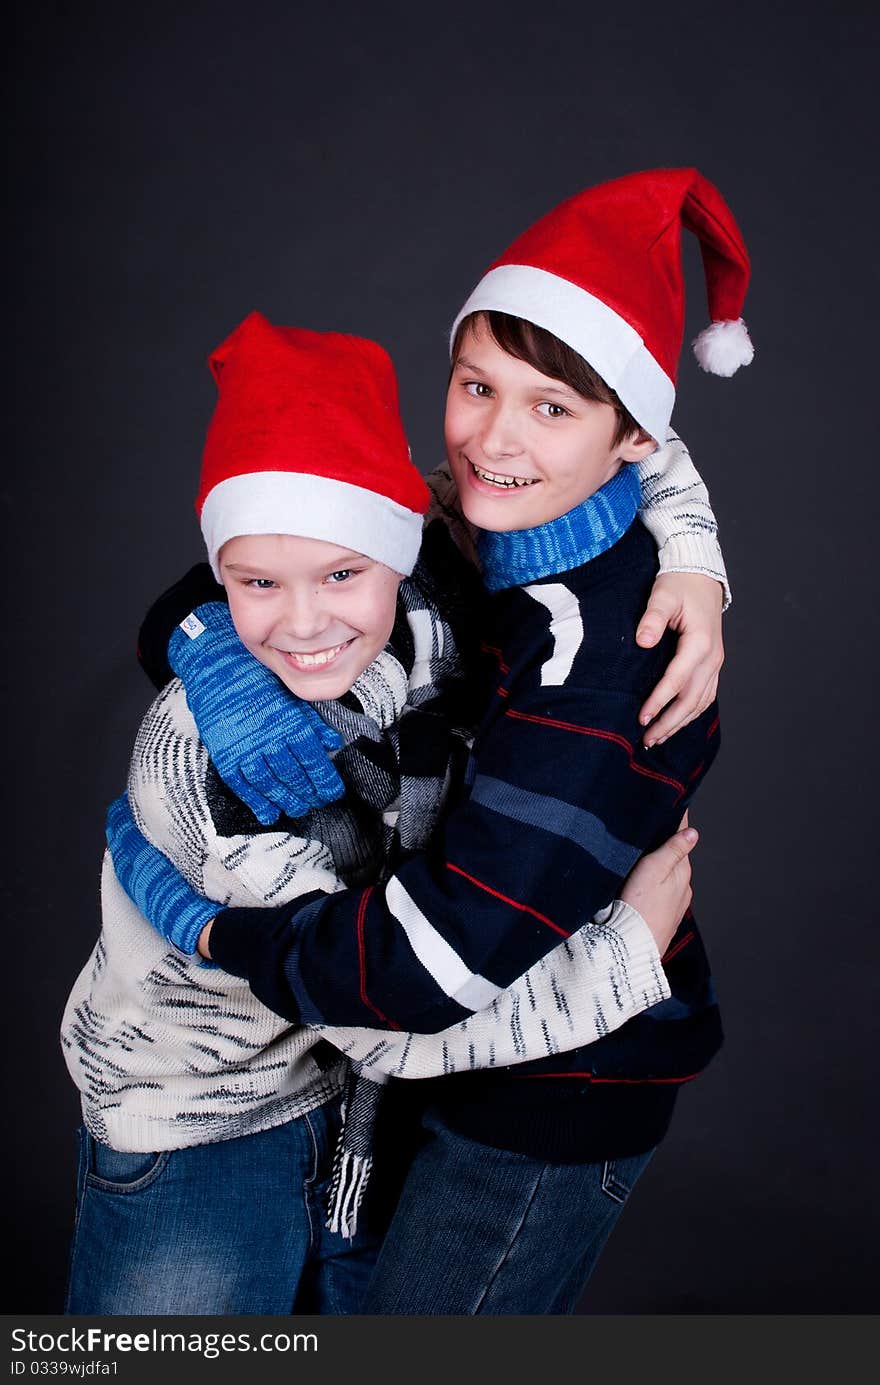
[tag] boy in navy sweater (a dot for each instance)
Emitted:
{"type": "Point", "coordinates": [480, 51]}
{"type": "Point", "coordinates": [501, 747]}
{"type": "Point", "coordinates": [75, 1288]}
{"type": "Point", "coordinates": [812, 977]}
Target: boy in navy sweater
{"type": "Point", "coordinates": [564, 359]}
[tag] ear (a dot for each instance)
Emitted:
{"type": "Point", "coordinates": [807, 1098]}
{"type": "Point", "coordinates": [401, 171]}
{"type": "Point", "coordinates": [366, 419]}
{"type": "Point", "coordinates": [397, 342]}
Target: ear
{"type": "Point", "coordinates": [637, 447]}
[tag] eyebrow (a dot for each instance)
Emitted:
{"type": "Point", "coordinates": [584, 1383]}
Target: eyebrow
{"type": "Point", "coordinates": [338, 560]}
{"type": "Point", "coordinates": [565, 390]}
{"type": "Point", "coordinates": [348, 556]}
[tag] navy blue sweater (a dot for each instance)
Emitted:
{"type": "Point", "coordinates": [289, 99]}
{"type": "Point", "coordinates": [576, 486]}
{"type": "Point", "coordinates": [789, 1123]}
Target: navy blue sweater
{"type": "Point", "coordinates": [560, 801]}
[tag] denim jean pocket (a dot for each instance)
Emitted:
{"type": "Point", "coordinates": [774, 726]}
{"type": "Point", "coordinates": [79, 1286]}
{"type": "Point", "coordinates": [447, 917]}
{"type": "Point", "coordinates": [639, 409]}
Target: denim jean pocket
{"type": "Point", "coordinates": [122, 1171]}
{"type": "Point", "coordinates": [619, 1176]}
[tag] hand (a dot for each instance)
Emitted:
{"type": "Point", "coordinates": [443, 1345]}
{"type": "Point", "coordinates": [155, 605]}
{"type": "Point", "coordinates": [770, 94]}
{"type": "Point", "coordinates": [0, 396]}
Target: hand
{"type": "Point", "coordinates": [691, 604]}
{"type": "Point", "coordinates": [659, 886]}
{"type": "Point", "coordinates": [163, 895]}
{"type": "Point", "coordinates": [269, 747]}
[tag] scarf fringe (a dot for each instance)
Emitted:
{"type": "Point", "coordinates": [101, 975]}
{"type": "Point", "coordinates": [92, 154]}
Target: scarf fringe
{"type": "Point", "coordinates": [350, 1177]}
{"type": "Point", "coordinates": [352, 1158]}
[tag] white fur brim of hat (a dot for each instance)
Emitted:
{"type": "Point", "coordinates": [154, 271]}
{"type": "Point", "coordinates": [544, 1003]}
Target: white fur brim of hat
{"type": "Point", "coordinates": [611, 346]}
{"type": "Point", "coordinates": [311, 507]}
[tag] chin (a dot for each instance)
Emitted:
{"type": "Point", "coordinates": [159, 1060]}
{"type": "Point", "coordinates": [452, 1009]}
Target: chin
{"type": "Point", "coordinates": [485, 513]}
{"type": "Point", "coordinates": [322, 687]}
{"type": "Point", "coordinates": [317, 689]}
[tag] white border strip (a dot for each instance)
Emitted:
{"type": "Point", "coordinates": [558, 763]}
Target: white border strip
{"type": "Point", "coordinates": [313, 507]}
{"type": "Point", "coordinates": [590, 327]}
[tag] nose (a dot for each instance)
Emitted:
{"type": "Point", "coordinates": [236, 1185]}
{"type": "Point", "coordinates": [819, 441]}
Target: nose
{"type": "Point", "coordinates": [499, 435]}
{"type": "Point", "coordinates": [303, 616]}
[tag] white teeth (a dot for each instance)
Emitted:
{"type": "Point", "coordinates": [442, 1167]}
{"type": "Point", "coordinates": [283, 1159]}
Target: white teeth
{"type": "Point", "coordinates": [322, 657]}
{"type": "Point", "coordinates": [505, 483]}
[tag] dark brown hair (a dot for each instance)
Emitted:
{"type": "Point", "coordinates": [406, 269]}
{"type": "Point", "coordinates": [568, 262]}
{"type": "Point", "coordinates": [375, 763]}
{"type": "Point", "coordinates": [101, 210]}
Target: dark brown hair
{"type": "Point", "coordinates": [546, 353]}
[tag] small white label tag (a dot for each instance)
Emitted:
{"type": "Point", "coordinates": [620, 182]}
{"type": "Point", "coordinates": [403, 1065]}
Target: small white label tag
{"type": "Point", "coordinates": [192, 626]}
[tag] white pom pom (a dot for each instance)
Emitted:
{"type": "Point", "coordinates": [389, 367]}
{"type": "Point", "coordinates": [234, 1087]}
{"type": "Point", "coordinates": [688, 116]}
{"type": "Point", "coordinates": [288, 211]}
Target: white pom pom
{"type": "Point", "coordinates": [723, 347]}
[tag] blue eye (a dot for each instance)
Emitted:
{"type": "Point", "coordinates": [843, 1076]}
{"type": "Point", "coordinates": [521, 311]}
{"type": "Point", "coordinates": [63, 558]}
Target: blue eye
{"type": "Point", "coordinates": [262, 584]}
{"type": "Point", "coordinates": [341, 576]}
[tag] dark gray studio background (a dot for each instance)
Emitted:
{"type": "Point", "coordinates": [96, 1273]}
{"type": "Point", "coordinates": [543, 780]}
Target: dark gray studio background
{"type": "Point", "coordinates": [356, 167]}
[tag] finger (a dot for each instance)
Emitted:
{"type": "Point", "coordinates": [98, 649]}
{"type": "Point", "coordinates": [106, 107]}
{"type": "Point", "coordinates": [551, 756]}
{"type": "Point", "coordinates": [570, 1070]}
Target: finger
{"type": "Point", "coordinates": [675, 717]}
{"type": "Point", "coordinates": [680, 713]}
{"type": "Point", "coordinates": [685, 840]}
{"type": "Point", "coordinates": [677, 849]}
{"type": "Point", "coordinates": [326, 785]}
{"type": "Point", "coordinates": [308, 720]}
{"type": "Point", "coordinates": [660, 611]}
{"type": "Point", "coordinates": [287, 777]}
{"type": "Point", "coordinates": [711, 689]}
{"type": "Point", "coordinates": [299, 787]}
{"type": "Point", "coordinates": [667, 689]}
{"type": "Point", "coordinates": [667, 726]}
{"type": "Point", "coordinates": [330, 738]}
{"type": "Point", "coordinates": [250, 794]}
{"type": "Point", "coordinates": [265, 812]}
{"type": "Point", "coordinates": [687, 702]}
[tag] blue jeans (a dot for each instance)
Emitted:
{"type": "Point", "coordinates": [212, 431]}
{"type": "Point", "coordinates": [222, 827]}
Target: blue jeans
{"type": "Point", "coordinates": [231, 1227]}
{"type": "Point", "coordinates": [481, 1230]}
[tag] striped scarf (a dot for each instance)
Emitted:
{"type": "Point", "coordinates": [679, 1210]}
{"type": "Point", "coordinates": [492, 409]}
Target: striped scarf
{"type": "Point", "coordinates": [405, 726]}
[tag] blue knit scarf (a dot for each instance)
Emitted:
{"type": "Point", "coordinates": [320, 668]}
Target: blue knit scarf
{"type": "Point", "coordinates": [521, 555]}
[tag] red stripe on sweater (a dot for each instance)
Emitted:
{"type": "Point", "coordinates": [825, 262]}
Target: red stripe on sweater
{"type": "Point", "coordinates": [490, 649]}
{"type": "Point", "coordinates": [362, 961]}
{"type": "Point", "coordinates": [524, 908]}
{"type": "Point", "coordinates": [673, 952]}
{"type": "Point", "coordinates": [604, 1081]}
{"type": "Point", "coordinates": [642, 1081]}
{"type": "Point", "coordinates": [602, 735]}
{"type": "Point", "coordinates": [712, 729]}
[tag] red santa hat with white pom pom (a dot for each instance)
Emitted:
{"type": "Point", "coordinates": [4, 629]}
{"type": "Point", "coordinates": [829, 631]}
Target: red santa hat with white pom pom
{"type": "Point", "coordinates": [603, 273]}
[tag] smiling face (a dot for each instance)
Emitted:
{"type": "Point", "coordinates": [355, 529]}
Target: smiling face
{"type": "Point", "coordinates": [314, 613]}
{"type": "Point", "coordinates": [523, 447]}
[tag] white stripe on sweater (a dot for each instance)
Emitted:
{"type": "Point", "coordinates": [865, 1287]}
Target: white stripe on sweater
{"type": "Point", "coordinates": [440, 960]}
{"type": "Point", "coordinates": [566, 629]}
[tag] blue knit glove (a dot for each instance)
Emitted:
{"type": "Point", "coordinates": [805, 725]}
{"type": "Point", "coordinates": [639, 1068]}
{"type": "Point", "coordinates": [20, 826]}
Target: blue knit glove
{"type": "Point", "coordinates": [267, 745]}
{"type": "Point", "coordinates": [154, 884]}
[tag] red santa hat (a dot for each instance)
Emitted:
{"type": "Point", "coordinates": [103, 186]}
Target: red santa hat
{"type": "Point", "coordinates": [306, 438]}
{"type": "Point", "coordinates": [603, 273]}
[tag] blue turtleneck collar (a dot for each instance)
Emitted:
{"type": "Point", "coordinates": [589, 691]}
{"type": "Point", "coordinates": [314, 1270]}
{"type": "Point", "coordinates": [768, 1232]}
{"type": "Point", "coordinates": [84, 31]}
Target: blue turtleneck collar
{"type": "Point", "coordinates": [522, 555]}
